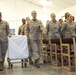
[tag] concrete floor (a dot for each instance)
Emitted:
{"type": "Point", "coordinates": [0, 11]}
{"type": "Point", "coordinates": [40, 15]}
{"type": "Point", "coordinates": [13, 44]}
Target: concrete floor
{"type": "Point", "coordinates": [46, 69]}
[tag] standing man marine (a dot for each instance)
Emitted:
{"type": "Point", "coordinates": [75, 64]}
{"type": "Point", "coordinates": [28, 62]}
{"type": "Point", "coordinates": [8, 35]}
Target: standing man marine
{"type": "Point", "coordinates": [21, 30]}
{"type": "Point", "coordinates": [4, 33]}
{"type": "Point", "coordinates": [34, 30]}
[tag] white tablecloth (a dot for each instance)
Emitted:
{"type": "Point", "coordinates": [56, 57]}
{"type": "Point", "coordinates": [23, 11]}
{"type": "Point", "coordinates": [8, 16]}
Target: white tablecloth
{"type": "Point", "coordinates": [18, 47]}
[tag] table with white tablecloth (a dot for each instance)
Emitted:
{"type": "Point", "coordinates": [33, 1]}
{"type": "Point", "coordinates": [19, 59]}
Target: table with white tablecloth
{"type": "Point", "coordinates": [18, 47]}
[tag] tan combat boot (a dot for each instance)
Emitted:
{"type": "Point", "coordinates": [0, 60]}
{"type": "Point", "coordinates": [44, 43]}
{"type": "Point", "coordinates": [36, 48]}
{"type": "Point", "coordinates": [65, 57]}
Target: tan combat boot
{"type": "Point", "coordinates": [30, 61]}
{"type": "Point", "coordinates": [37, 64]}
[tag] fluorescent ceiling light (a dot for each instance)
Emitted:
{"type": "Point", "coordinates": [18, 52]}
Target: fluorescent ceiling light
{"type": "Point", "coordinates": [45, 2]}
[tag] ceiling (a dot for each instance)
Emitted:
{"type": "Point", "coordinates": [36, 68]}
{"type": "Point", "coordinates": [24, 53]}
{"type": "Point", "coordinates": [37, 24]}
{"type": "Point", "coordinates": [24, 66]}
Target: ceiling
{"type": "Point", "coordinates": [56, 6]}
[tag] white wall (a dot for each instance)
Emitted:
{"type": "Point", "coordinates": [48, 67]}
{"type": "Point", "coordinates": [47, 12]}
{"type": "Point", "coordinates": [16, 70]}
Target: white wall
{"type": "Point", "coordinates": [14, 10]}
{"type": "Point", "coordinates": [71, 10]}
{"type": "Point", "coordinates": [46, 15]}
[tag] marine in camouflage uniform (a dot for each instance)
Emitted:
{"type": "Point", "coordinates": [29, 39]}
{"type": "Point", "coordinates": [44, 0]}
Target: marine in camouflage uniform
{"type": "Point", "coordinates": [34, 31]}
{"type": "Point", "coordinates": [60, 29]}
{"type": "Point", "coordinates": [4, 33]}
{"type": "Point", "coordinates": [30, 61]}
{"type": "Point", "coordinates": [21, 30]}
{"type": "Point", "coordinates": [69, 28]}
{"type": "Point", "coordinates": [66, 16]}
{"type": "Point", "coordinates": [44, 34]}
{"type": "Point", "coordinates": [27, 19]}
{"type": "Point", "coordinates": [52, 28]}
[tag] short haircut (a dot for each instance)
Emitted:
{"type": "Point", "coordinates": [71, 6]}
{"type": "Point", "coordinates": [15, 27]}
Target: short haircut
{"type": "Point", "coordinates": [60, 19]}
{"type": "Point", "coordinates": [52, 14]}
{"type": "Point", "coordinates": [33, 12]}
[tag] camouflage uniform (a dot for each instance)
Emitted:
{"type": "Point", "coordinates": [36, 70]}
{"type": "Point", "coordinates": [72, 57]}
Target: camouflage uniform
{"type": "Point", "coordinates": [4, 32]}
{"type": "Point", "coordinates": [34, 30]}
{"type": "Point", "coordinates": [52, 30]}
{"type": "Point", "coordinates": [69, 29]}
{"type": "Point", "coordinates": [60, 29]}
{"type": "Point", "coordinates": [21, 30]}
{"type": "Point", "coordinates": [44, 34]}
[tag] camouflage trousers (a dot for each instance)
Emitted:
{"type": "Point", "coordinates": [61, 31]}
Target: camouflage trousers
{"type": "Point", "coordinates": [35, 49]}
{"type": "Point", "coordinates": [30, 50]}
{"type": "Point", "coordinates": [3, 49]}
